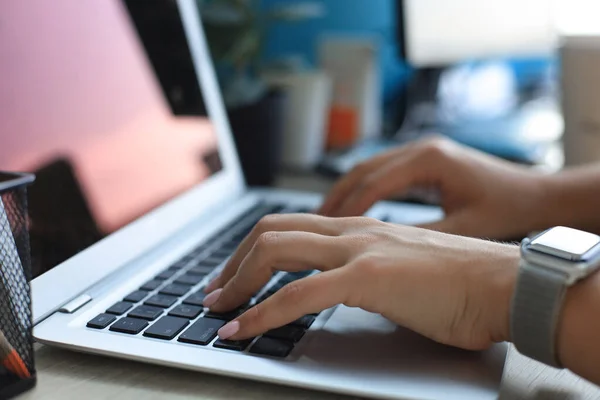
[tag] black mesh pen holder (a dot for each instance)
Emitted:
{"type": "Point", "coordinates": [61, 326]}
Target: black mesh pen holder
{"type": "Point", "coordinates": [17, 369]}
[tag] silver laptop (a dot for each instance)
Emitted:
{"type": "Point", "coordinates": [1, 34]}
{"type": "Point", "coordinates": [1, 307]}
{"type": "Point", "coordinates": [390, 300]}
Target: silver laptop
{"type": "Point", "coordinates": [137, 294]}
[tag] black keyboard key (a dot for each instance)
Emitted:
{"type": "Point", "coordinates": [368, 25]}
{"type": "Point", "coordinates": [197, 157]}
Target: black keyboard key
{"type": "Point", "coordinates": [228, 248]}
{"type": "Point", "coordinates": [291, 333]}
{"type": "Point", "coordinates": [146, 312]}
{"type": "Point", "coordinates": [227, 316]}
{"type": "Point", "coordinates": [220, 253]}
{"type": "Point", "coordinates": [163, 276]}
{"type": "Point", "coordinates": [186, 311]}
{"type": "Point", "coordinates": [175, 289]}
{"type": "Point", "coordinates": [136, 296]}
{"type": "Point", "coordinates": [166, 328]}
{"type": "Point", "coordinates": [132, 326]}
{"type": "Point", "coordinates": [161, 300]}
{"type": "Point", "coordinates": [201, 270]}
{"type": "Point", "coordinates": [101, 321]}
{"type": "Point", "coordinates": [202, 332]}
{"type": "Point", "coordinates": [236, 345]}
{"type": "Point", "coordinates": [189, 279]}
{"type": "Point", "coordinates": [211, 262]}
{"type": "Point", "coordinates": [151, 285]}
{"type": "Point", "coordinates": [120, 308]}
{"type": "Point", "coordinates": [181, 263]}
{"type": "Point", "coordinates": [272, 347]}
{"type": "Point", "coordinates": [304, 322]}
{"type": "Point", "coordinates": [299, 275]}
{"type": "Point", "coordinates": [195, 299]}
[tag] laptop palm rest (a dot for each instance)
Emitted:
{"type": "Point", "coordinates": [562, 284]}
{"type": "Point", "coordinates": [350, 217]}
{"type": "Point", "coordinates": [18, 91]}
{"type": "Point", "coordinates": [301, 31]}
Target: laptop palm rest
{"type": "Point", "coordinates": [357, 341]}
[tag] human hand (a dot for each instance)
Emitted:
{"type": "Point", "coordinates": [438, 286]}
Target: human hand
{"type": "Point", "coordinates": [482, 196]}
{"type": "Point", "coordinates": [452, 289]}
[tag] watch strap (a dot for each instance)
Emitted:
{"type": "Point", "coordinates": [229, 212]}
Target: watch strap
{"type": "Point", "coordinates": [536, 307]}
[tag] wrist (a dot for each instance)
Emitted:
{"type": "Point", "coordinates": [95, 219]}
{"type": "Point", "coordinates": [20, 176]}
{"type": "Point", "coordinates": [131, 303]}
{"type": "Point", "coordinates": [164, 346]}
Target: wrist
{"type": "Point", "coordinates": [563, 203]}
{"type": "Point", "coordinates": [497, 290]}
{"type": "Point", "coordinates": [503, 282]}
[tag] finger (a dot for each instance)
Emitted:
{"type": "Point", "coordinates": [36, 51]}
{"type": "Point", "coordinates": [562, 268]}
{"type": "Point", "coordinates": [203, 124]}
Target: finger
{"type": "Point", "coordinates": [275, 223]}
{"type": "Point", "coordinates": [278, 251]}
{"type": "Point", "coordinates": [345, 185]}
{"type": "Point", "coordinates": [394, 178]}
{"type": "Point", "coordinates": [306, 296]}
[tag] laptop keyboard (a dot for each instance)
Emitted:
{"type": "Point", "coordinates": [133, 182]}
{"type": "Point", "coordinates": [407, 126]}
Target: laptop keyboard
{"type": "Point", "coordinates": [169, 306]}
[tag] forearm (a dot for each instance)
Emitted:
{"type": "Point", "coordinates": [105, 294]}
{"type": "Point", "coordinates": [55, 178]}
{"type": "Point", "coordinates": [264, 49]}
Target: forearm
{"type": "Point", "coordinates": [579, 329]}
{"type": "Point", "coordinates": [571, 198]}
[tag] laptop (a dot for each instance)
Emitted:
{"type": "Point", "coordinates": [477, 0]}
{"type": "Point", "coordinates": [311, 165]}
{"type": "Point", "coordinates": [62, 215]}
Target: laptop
{"type": "Point", "coordinates": [170, 220]}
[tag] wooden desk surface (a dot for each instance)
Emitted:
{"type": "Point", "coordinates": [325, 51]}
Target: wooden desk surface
{"type": "Point", "coordinates": [67, 375]}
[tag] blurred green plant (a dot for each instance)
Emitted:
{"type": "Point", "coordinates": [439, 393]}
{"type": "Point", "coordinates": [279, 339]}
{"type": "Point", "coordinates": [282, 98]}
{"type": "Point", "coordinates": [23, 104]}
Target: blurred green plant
{"type": "Point", "coordinates": [236, 32]}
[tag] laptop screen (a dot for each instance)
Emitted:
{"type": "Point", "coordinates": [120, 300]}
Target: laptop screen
{"type": "Point", "coordinates": [103, 105]}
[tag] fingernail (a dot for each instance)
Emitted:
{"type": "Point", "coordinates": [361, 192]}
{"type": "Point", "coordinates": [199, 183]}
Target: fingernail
{"type": "Point", "coordinates": [229, 330]}
{"type": "Point", "coordinates": [212, 298]}
{"type": "Point", "coordinates": [211, 285]}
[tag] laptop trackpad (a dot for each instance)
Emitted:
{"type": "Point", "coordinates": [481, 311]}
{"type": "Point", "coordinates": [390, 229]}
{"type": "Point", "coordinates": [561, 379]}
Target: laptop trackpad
{"type": "Point", "coordinates": [356, 339]}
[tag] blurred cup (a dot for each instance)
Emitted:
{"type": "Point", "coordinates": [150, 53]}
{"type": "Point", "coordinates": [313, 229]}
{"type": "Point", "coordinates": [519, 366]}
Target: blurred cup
{"type": "Point", "coordinates": [580, 65]}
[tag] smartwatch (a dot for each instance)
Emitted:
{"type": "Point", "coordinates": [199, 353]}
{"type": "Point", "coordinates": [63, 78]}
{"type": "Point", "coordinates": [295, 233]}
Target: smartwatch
{"type": "Point", "coordinates": [551, 262]}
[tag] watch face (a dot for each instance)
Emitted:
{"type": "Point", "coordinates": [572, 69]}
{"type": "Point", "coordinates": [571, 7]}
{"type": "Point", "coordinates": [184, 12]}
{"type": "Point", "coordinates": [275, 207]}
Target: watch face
{"type": "Point", "coordinates": [567, 243]}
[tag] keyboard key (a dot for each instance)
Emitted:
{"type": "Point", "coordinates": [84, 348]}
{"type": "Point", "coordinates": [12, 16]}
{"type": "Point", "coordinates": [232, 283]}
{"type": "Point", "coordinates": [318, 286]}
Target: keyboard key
{"type": "Point", "coordinates": [211, 262]}
{"type": "Point", "coordinates": [291, 333]}
{"type": "Point", "coordinates": [132, 326]}
{"type": "Point", "coordinates": [227, 316]}
{"type": "Point", "coordinates": [272, 347]}
{"type": "Point", "coordinates": [186, 311]}
{"type": "Point", "coordinates": [195, 299]}
{"type": "Point", "coordinates": [228, 247]}
{"type": "Point", "coordinates": [175, 289]}
{"type": "Point", "coordinates": [120, 308]}
{"type": "Point", "coordinates": [181, 263]}
{"type": "Point", "coordinates": [202, 332]}
{"type": "Point", "coordinates": [151, 285]}
{"type": "Point", "coordinates": [101, 321]}
{"type": "Point", "coordinates": [236, 345]}
{"type": "Point", "coordinates": [304, 322]}
{"type": "Point", "coordinates": [201, 270]}
{"type": "Point", "coordinates": [146, 312]}
{"type": "Point", "coordinates": [163, 276]}
{"type": "Point", "coordinates": [166, 328]}
{"type": "Point", "coordinates": [189, 279]}
{"type": "Point", "coordinates": [161, 300]}
{"type": "Point", "coordinates": [220, 253]}
{"type": "Point", "coordinates": [136, 296]}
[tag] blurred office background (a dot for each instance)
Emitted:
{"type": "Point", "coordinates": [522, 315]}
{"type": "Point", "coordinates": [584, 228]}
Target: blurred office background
{"type": "Point", "coordinates": [361, 76]}
{"type": "Point", "coordinates": [311, 87]}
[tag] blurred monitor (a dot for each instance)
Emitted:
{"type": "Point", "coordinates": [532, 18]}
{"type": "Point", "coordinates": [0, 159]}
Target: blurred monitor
{"type": "Point", "coordinates": [440, 33]}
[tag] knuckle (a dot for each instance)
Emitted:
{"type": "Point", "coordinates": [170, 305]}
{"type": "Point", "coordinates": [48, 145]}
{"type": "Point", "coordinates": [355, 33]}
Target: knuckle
{"type": "Point", "coordinates": [267, 239]}
{"type": "Point", "coordinates": [267, 223]}
{"type": "Point", "coordinates": [292, 292]}
{"type": "Point", "coordinates": [256, 312]}
{"type": "Point", "coordinates": [361, 168]}
{"type": "Point", "coordinates": [367, 266]}
{"type": "Point", "coordinates": [359, 224]}
{"type": "Point", "coordinates": [435, 147]}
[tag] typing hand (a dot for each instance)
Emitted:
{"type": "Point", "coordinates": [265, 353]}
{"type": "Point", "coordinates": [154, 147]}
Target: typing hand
{"type": "Point", "coordinates": [452, 289]}
{"type": "Point", "coordinates": [482, 196]}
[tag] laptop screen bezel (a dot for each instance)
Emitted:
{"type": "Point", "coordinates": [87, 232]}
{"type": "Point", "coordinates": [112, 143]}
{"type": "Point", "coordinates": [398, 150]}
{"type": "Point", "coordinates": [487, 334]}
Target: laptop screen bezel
{"type": "Point", "coordinates": [80, 272]}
